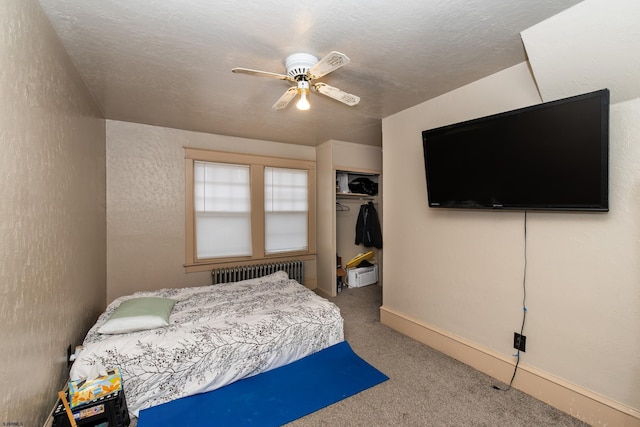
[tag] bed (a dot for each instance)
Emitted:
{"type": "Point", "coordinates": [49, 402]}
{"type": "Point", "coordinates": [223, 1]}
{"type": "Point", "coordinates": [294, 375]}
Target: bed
{"type": "Point", "coordinates": [216, 335]}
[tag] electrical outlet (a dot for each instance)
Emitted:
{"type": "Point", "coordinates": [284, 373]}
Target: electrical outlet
{"type": "Point", "coordinates": [519, 342]}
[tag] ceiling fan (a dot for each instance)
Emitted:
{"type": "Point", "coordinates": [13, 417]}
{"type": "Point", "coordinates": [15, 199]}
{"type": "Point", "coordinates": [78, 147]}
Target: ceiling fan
{"type": "Point", "coordinates": [303, 69]}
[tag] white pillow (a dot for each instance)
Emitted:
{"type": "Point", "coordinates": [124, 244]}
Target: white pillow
{"type": "Point", "coordinates": [139, 314]}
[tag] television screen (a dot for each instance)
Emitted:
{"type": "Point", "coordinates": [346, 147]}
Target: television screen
{"type": "Point", "coordinates": [550, 156]}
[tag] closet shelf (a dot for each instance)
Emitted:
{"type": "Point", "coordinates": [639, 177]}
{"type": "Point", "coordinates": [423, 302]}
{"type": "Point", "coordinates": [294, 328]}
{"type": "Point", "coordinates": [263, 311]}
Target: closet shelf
{"type": "Point", "coordinates": [359, 196]}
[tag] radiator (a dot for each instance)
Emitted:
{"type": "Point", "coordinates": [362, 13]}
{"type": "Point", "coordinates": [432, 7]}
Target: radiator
{"type": "Point", "coordinates": [295, 270]}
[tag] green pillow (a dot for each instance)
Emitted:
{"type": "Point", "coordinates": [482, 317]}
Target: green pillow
{"type": "Point", "coordinates": [139, 314]}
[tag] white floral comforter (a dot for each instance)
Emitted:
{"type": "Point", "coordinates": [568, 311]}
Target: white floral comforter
{"type": "Point", "coordinates": [217, 335]}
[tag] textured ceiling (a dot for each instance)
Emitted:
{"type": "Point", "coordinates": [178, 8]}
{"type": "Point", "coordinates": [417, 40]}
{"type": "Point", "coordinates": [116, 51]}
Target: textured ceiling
{"type": "Point", "coordinates": [168, 62]}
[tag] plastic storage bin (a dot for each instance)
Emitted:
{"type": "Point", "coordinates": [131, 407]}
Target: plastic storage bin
{"type": "Point", "coordinates": [362, 276]}
{"type": "Point", "coordinates": [108, 410]}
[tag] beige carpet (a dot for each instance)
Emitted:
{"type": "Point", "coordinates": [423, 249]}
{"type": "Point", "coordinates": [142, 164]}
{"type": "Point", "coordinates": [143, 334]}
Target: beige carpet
{"type": "Point", "coordinates": [426, 388]}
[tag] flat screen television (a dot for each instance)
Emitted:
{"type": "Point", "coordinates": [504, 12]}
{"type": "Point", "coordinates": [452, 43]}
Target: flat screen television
{"type": "Point", "coordinates": [550, 156]}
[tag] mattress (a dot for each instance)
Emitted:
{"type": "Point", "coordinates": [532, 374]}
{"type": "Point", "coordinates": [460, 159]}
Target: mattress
{"type": "Point", "coordinates": [216, 335]}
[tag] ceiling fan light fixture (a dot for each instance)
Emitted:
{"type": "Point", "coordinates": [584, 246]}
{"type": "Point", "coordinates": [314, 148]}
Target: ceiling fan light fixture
{"type": "Point", "coordinates": [303, 90]}
{"type": "Point", "coordinates": [302, 69]}
{"type": "Point", "coordinates": [299, 64]}
{"type": "Point", "coordinates": [303, 104]}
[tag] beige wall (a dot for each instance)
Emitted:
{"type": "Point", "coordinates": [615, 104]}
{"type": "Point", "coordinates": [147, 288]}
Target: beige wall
{"type": "Point", "coordinates": [457, 270]}
{"type": "Point", "coordinates": [145, 202]}
{"type": "Point", "coordinates": [52, 212]}
{"type": "Point", "coordinates": [459, 274]}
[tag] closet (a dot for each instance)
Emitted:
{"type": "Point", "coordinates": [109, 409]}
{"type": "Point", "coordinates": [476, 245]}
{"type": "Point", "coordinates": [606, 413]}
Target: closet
{"type": "Point", "coordinates": [338, 164]}
{"type": "Point", "coordinates": [357, 198]}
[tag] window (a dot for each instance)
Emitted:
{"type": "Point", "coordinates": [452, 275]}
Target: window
{"type": "Point", "coordinates": [247, 208]}
{"type": "Point", "coordinates": [222, 210]}
{"type": "Point", "coordinates": [286, 207]}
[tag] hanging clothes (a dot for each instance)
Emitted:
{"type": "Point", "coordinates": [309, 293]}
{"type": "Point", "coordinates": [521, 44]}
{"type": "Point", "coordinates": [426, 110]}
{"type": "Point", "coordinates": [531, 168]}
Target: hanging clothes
{"type": "Point", "coordinates": [368, 230]}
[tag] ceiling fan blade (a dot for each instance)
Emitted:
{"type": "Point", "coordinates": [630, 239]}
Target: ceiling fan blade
{"type": "Point", "coordinates": [261, 73]}
{"type": "Point", "coordinates": [332, 61]}
{"type": "Point", "coordinates": [286, 98]}
{"type": "Point", "coordinates": [337, 94]}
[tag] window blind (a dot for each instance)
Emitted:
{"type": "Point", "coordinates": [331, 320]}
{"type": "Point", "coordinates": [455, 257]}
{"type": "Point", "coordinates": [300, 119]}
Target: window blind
{"type": "Point", "coordinates": [222, 209]}
{"type": "Point", "coordinates": [286, 209]}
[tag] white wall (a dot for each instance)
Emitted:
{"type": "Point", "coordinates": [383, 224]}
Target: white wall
{"type": "Point", "coordinates": [52, 212]}
{"type": "Point", "coordinates": [145, 202]}
{"type": "Point", "coordinates": [461, 272]}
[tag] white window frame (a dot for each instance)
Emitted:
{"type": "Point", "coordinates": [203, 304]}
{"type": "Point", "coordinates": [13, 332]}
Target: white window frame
{"type": "Point", "coordinates": [257, 164]}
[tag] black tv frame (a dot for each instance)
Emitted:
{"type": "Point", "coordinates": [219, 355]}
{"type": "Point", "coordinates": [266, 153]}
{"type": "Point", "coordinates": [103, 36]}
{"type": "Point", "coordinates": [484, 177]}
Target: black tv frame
{"type": "Point", "coordinates": [500, 174]}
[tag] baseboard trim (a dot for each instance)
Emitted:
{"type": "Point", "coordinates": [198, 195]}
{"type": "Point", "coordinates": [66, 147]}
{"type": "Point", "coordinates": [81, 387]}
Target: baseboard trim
{"type": "Point", "coordinates": [576, 401]}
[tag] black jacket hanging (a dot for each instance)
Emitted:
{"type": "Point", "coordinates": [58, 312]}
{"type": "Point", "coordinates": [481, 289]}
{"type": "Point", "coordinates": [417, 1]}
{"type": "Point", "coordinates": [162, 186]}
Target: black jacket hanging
{"type": "Point", "coordinates": [368, 230]}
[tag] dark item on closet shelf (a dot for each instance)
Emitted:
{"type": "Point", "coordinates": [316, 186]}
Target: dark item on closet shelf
{"type": "Point", "coordinates": [363, 186]}
{"type": "Point", "coordinates": [368, 230]}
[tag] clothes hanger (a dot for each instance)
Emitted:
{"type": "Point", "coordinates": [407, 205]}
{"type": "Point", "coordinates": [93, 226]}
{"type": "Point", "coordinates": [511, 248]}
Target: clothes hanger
{"type": "Point", "coordinates": [340, 207]}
